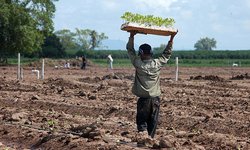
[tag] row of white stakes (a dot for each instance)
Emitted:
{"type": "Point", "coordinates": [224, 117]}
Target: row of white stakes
{"type": "Point", "coordinates": [20, 70]}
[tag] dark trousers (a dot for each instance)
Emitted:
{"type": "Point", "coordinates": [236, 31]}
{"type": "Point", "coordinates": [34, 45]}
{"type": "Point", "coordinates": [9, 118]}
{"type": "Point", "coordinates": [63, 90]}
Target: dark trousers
{"type": "Point", "coordinates": [83, 66]}
{"type": "Point", "coordinates": [147, 114]}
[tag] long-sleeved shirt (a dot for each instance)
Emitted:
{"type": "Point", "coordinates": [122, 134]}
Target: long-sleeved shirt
{"type": "Point", "coordinates": [147, 72]}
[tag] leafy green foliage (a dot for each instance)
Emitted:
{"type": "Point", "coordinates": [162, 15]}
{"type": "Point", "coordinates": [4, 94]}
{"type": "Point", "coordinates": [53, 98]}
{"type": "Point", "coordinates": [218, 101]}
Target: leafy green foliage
{"type": "Point", "coordinates": [148, 20]}
{"type": "Point", "coordinates": [82, 39]}
{"type": "Point", "coordinates": [51, 123]}
{"type": "Point", "coordinates": [24, 24]}
{"type": "Point", "coordinates": [222, 54]}
{"type": "Point", "coordinates": [205, 44]}
{"type": "Point", "coordinates": [89, 39]}
{"type": "Point", "coordinates": [182, 62]}
{"type": "Point", "coordinates": [186, 58]}
{"type": "Point", "coordinates": [67, 38]}
{"type": "Point", "coordinates": [52, 47]}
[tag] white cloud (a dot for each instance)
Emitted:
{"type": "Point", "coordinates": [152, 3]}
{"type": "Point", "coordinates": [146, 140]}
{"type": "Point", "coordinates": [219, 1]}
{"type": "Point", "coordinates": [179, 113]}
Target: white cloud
{"type": "Point", "coordinates": [184, 1]}
{"type": "Point", "coordinates": [155, 5]}
{"type": "Point", "coordinates": [110, 5]}
{"type": "Point", "coordinates": [186, 14]}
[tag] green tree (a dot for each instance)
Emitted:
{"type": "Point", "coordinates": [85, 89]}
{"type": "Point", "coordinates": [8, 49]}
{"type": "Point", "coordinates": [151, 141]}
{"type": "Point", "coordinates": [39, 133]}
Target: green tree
{"type": "Point", "coordinates": [52, 47]}
{"type": "Point", "coordinates": [96, 39]}
{"type": "Point", "coordinates": [205, 44]}
{"type": "Point", "coordinates": [67, 39]}
{"type": "Point", "coordinates": [89, 39]}
{"type": "Point", "coordinates": [24, 24]}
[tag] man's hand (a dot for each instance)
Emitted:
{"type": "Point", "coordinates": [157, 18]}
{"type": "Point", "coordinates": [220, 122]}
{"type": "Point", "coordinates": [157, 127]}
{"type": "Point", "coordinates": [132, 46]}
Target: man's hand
{"type": "Point", "coordinates": [132, 33]}
{"type": "Point", "coordinates": [172, 36]}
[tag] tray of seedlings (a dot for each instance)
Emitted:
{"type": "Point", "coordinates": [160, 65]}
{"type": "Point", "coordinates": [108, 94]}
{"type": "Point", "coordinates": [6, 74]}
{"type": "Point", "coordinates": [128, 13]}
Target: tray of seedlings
{"type": "Point", "coordinates": [148, 24]}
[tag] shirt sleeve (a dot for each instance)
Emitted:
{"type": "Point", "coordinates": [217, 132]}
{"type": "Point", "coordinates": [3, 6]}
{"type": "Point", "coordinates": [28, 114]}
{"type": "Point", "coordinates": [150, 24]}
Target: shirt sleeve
{"type": "Point", "coordinates": [163, 59]}
{"type": "Point", "coordinates": [131, 50]}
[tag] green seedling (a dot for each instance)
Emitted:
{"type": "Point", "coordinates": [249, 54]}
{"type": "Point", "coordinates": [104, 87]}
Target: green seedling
{"type": "Point", "coordinates": [148, 20]}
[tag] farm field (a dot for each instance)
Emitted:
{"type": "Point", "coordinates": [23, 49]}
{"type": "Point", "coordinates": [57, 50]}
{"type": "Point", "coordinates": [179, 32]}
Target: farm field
{"type": "Point", "coordinates": [95, 109]}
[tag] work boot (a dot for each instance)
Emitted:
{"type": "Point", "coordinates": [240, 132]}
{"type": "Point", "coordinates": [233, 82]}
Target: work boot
{"type": "Point", "coordinates": [139, 135]}
{"type": "Point", "coordinates": [143, 139]}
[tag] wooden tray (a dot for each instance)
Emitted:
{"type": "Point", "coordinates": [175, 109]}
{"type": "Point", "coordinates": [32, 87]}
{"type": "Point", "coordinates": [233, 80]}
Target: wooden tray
{"type": "Point", "coordinates": [147, 30]}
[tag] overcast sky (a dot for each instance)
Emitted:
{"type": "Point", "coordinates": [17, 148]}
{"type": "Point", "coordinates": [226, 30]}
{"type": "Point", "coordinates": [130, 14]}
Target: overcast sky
{"type": "Point", "coordinates": [228, 21]}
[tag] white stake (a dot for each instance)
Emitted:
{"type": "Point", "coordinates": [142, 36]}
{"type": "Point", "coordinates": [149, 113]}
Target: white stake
{"type": "Point", "coordinates": [42, 75]}
{"type": "Point", "coordinates": [177, 69]}
{"type": "Point", "coordinates": [18, 68]}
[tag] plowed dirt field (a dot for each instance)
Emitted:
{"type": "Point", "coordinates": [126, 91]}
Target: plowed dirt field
{"type": "Point", "coordinates": [208, 108]}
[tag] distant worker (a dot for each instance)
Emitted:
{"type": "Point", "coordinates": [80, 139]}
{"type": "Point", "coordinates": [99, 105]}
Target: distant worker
{"type": "Point", "coordinates": [67, 65]}
{"type": "Point", "coordinates": [147, 84]}
{"type": "Point", "coordinates": [83, 64]}
{"type": "Point", "coordinates": [110, 61]}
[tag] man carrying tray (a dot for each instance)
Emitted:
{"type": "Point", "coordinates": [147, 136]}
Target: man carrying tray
{"type": "Point", "coordinates": [147, 83]}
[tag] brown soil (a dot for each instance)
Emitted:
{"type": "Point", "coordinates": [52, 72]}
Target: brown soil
{"type": "Point", "coordinates": [95, 109]}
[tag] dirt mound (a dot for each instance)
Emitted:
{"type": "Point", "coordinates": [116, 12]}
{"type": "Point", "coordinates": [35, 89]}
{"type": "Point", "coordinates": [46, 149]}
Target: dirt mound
{"type": "Point", "coordinates": [90, 131]}
{"type": "Point", "coordinates": [59, 82]}
{"type": "Point", "coordinates": [90, 79]}
{"type": "Point", "coordinates": [118, 75]}
{"type": "Point", "coordinates": [207, 77]}
{"type": "Point", "coordinates": [241, 77]}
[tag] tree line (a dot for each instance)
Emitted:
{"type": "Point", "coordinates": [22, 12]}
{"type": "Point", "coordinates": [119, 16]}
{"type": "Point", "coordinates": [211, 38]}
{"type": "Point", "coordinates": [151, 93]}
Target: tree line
{"type": "Point", "coordinates": [222, 54]}
{"type": "Point", "coordinates": [26, 27]}
{"type": "Point", "coordinates": [81, 39]}
{"type": "Point", "coordinates": [184, 54]}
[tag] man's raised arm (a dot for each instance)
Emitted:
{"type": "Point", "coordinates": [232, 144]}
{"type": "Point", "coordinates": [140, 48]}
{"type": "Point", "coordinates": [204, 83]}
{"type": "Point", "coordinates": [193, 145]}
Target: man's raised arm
{"type": "Point", "coordinates": [130, 46]}
{"type": "Point", "coordinates": [168, 50]}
